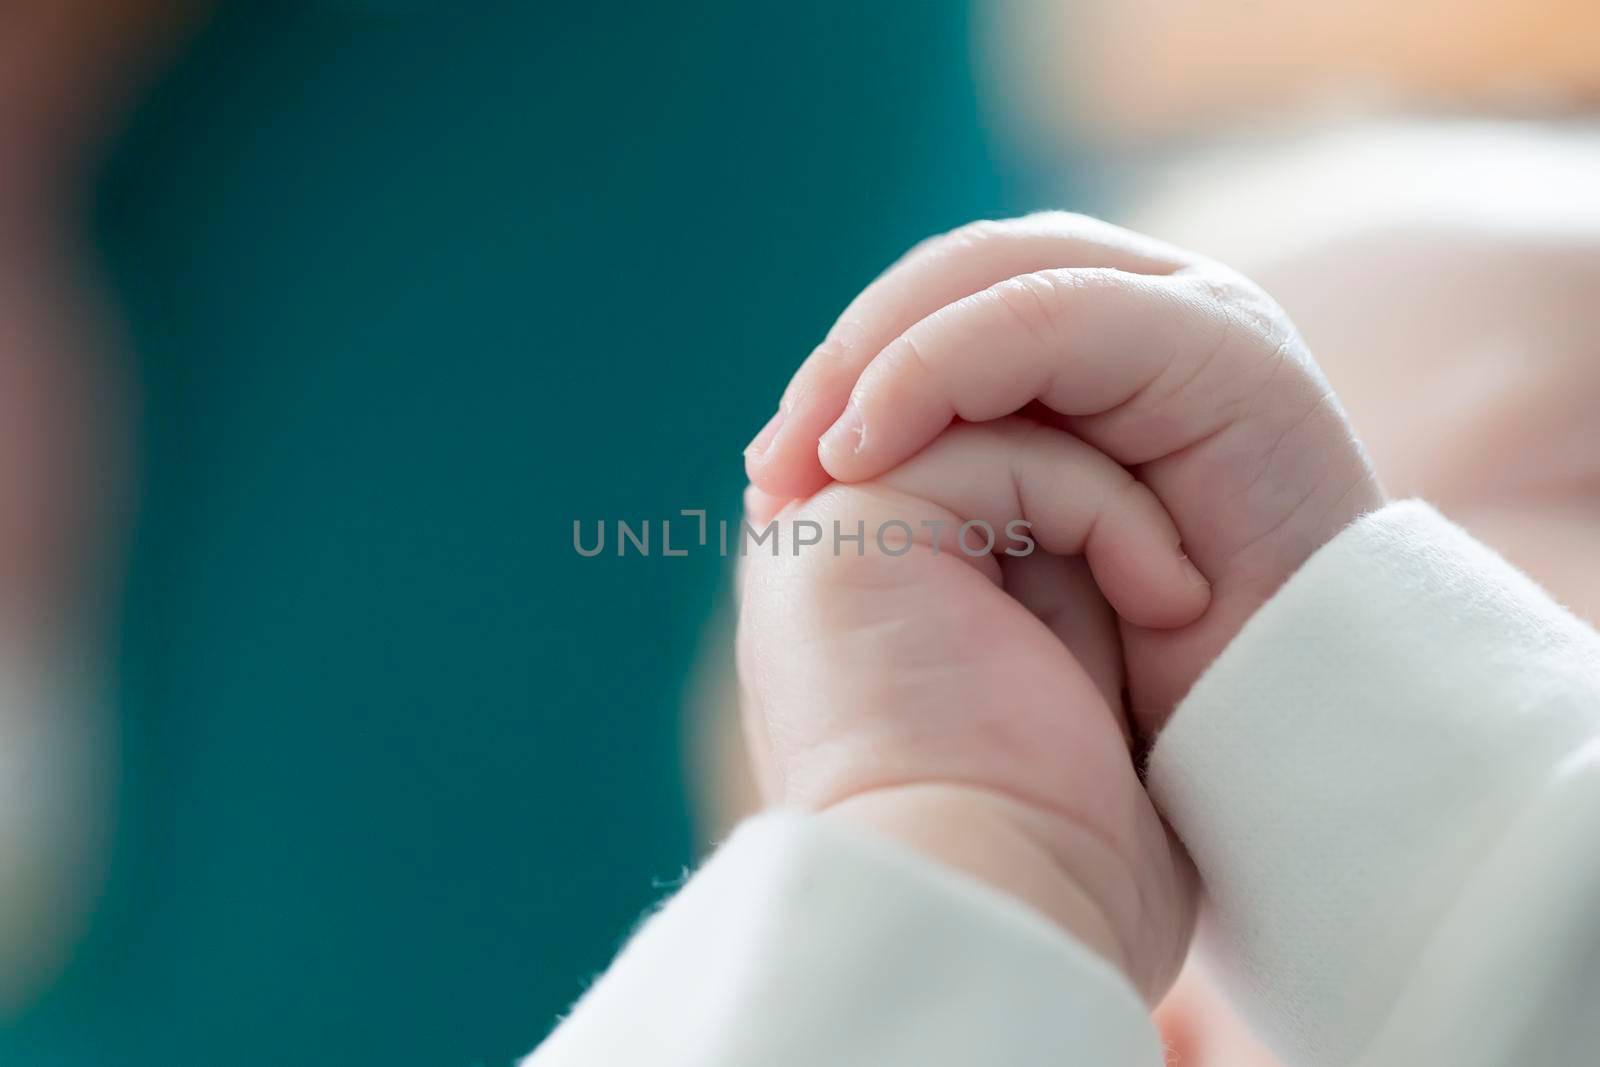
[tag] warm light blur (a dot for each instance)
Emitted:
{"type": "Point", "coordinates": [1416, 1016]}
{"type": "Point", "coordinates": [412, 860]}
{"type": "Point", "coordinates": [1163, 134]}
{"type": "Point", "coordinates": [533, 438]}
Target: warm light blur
{"type": "Point", "coordinates": [67, 70]}
{"type": "Point", "coordinates": [1134, 69]}
{"type": "Point", "coordinates": [1415, 183]}
{"type": "Point", "coordinates": [358, 288]}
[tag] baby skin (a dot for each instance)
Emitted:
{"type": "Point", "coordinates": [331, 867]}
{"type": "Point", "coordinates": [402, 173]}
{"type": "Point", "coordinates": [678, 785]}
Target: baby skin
{"type": "Point", "coordinates": [1157, 421]}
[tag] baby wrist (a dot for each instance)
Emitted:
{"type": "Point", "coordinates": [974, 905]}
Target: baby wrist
{"type": "Point", "coordinates": [984, 836]}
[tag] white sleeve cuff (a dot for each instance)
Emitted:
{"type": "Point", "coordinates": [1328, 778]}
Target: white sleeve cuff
{"type": "Point", "coordinates": [803, 943]}
{"type": "Point", "coordinates": [1390, 783]}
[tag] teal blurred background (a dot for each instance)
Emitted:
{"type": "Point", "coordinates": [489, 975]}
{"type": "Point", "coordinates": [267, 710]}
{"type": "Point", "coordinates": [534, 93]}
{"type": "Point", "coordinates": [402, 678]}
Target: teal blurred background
{"type": "Point", "coordinates": [408, 291]}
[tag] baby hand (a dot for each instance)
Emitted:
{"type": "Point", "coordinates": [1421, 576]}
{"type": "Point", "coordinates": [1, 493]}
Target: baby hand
{"type": "Point", "coordinates": [964, 696]}
{"type": "Point", "coordinates": [1174, 366]}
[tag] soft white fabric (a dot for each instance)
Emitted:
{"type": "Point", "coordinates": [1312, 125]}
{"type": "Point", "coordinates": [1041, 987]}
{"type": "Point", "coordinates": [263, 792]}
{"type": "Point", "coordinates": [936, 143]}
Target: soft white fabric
{"type": "Point", "coordinates": [1390, 783]}
{"type": "Point", "coordinates": [802, 943]}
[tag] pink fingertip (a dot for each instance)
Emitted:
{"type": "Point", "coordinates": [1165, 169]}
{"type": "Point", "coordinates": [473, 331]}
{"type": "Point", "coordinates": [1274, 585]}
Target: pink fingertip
{"type": "Point", "coordinates": [786, 469]}
{"type": "Point", "coordinates": [763, 439]}
{"type": "Point", "coordinates": [844, 439]}
{"type": "Point", "coordinates": [760, 506]}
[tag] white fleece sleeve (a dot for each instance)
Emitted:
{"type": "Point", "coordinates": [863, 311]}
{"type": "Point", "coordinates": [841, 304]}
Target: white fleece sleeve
{"type": "Point", "coordinates": [803, 944]}
{"type": "Point", "coordinates": [1390, 783]}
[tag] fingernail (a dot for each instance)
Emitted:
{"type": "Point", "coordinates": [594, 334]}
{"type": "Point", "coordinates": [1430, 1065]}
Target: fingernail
{"type": "Point", "coordinates": [845, 436]}
{"type": "Point", "coordinates": [763, 439]}
{"type": "Point", "coordinates": [1192, 572]}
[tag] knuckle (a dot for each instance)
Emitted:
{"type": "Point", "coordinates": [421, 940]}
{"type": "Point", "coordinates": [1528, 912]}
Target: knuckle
{"type": "Point", "coordinates": [1233, 292]}
{"type": "Point", "coordinates": [978, 231]}
{"type": "Point", "coordinates": [1258, 357]}
{"type": "Point", "coordinates": [831, 360]}
{"type": "Point", "coordinates": [1127, 494]}
{"type": "Point", "coordinates": [906, 353]}
{"type": "Point", "coordinates": [964, 238]}
{"type": "Point", "coordinates": [1243, 304]}
{"type": "Point", "coordinates": [1064, 222]}
{"type": "Point", "coordinates": [981, 233]}
{"type": "Point", "coordinates": [1032, 301]}
{"type": "Point", "coordinates": [1075, 227]}
{"type": "Point", "coordinates": [832, 354]}
{"type": "Point", "coordinates": [818, 562]}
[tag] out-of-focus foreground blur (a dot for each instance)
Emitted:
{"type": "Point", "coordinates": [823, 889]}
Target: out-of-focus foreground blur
{"type": "Point", "coordinates": [321, 322]}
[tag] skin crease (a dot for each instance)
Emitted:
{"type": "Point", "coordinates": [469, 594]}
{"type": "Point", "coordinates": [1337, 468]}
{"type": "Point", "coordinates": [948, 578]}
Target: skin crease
{"type": "Point", "coordinates": [1530, 487]}
{"type": "Point", "coordinates": [1545, 529]}
{"type": "Point", "coordinates": [1005, 670]}
{"type": "Point", "coordinates": [1546, 525]}
{"type": "Point", "coordinates": [1178, 368]}
{"type": "Point", "coordinates": [1172, 366]}
{"type": "Point", "coordinates": [1513, 465]}
{"type": "Point", "coordinates": [1464, 353]}
{"type": "Point", "coordinates": [1509, 452]}
{"type": "Point", "coordinates": [1494, 433]}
